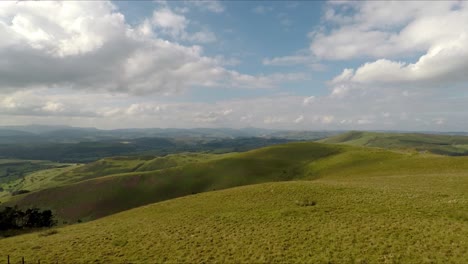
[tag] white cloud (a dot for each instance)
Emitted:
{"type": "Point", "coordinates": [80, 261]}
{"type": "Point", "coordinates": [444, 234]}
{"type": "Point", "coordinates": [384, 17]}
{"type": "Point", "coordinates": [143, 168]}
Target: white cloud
{"type": "Point", "coordinates": [170, 22]}
{"type": "Point", "coordinates": [444, 63]}
{"type": "Point", "coordinates": [90, 52]}
{"type": "Point", "coordinates": [380, 29]}
{"type": "Point", "coordinates": [74, 29]}
{"type": "Point", "coordinates": [439, 33]}
{"type": "Point", "coordinates": [90, 46]}
{"type": "Point", "coordinates": [299, 119]}
{"type": "Point", "coordinates": [439, 121]}
{"type": "Point", "coordinates": [261, 9]}
{"type": "Point", "coordinates": [53, 107]}
{"type": "Point", "coordinates": [374, 109]}
{"type": "Point", "coordinates": [327, 119]}
{"type": "Point", "coordinates": [308, 100]}
{"type": "Point", "coordinates": [175, 25]}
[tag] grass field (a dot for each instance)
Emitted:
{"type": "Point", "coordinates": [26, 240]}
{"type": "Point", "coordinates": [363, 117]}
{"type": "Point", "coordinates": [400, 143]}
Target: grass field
{"type": "Point", "coordinates": [335, 204]}
{"type": "Point", "coordinates": [38, 180]}
{"type": "Point", "coordinates": [12, 169]}
{"type": "Point", "coordinates": [28, 175]}
{"type": "Point", "coordinates": [72, 173]}
{"type": "Point", "coordinates": [438, 144]}
{"type": "Point", "coordinates": [102, 196]}
{"type": "Point", "coordinates": [393, 219]}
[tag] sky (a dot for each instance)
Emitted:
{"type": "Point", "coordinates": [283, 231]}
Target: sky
{"type": "Point", "coordinates": [306, 65]}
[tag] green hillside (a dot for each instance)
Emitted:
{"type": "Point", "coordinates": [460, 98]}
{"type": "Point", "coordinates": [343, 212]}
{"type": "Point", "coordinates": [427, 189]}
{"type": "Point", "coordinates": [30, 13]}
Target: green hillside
{"type": "Point", "coordinates": [102, 196]}
{"type": "Point", "coordinates": [126, 164]}
{"type": "Point", "coordinates": [12, 169]}
{"type": "Point", "coordinates": [27, 175]}
{"type": "Point", "coordinates": [396, 219]}
{"type": "Point", "coordinates": [47, 178]}
{"type": "Point", "coordinates": [437, 144]}
{"type": "Point", "coordinates": [98, 197]}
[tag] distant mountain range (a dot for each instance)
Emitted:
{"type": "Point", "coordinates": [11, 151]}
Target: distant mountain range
{"type": "Point", "coordinates": [31, 134]}
{"type": "Point", "coordinates": [65, 134]}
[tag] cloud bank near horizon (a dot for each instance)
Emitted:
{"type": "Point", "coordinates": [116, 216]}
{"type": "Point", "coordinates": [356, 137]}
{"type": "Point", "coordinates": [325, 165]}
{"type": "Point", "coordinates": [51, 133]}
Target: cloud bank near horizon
{"type": "Point", "coordinates": [399, 66]}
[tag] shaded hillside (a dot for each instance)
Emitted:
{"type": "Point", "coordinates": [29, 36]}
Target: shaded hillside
{"type": "Point", "coordinates": [47, 178]}
{"type": "Point", "coordinates": [102, 196]}
{"type": "Point", "coordinates": [106, 195]}
{"type": "Point", "coordinates": [437, 144]}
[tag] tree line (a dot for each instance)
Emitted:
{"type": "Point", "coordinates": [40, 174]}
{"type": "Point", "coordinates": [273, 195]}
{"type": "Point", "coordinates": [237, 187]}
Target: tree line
{"type": "Point", "coordinates": [14, 218]}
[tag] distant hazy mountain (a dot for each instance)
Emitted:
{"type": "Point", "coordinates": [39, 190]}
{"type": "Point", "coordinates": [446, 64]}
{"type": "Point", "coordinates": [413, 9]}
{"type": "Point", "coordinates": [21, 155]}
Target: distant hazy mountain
{"type": "Point", "coordinates": [66, 134]}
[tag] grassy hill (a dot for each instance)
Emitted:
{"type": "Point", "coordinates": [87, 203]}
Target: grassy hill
{"type": "Point", "coordinates": [438, 144]}
{"type": "Point", "coordinates": [72, 173]}
{"type": "Point", "coordinates": [20, 175]}
{"type": "Point", "coordinates": [394, 219]}
{"type": "Point", "coordinates": [105, 195]}
{"type": "Point", "coordinates": [102, 196]}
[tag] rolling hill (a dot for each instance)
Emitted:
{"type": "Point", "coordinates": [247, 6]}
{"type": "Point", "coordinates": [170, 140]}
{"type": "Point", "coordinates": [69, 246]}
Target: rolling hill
{"type": "Point", "coordinates": [72, 173]}
{"type": "Point", "coordinates": [99, 192]}
{"type": "Point", "coordinates": [305, 202]}
{"type": "Point", "coordinates": [438, 144]}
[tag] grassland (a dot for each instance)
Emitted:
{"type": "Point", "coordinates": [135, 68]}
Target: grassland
{"type": "Point", "coordinates": [30, 175]}
{"type": "Point", "coordinates": [34, 181]}
{"type": "Point", "coordinates": [105, 195]}
{"type": "Point", "coordinates": [72, 173]}
{"type": "Point", "coordinates": [102, 196]}
{"type": "Point", "coordinates": [331, 203]}
{"type": "Point", "coordinates": [12, 169]}
{"type": "Point", "coordinates": [402, 219]}
{"type": "Point", "coordinates": [437, 144]}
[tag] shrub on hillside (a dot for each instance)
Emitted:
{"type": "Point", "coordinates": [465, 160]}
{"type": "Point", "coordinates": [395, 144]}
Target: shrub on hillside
{"type": "Point", "coordinates": [14, 218]}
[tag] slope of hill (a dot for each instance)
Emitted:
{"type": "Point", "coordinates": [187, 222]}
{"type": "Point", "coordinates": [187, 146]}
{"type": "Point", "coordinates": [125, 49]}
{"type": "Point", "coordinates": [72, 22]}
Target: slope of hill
{"type": "Point", "coordinates": [98, 197]}
{"type": "Point", "coordinates": [438, 144]}
{"type": "Point", "coordinates": [72, 173]}
{"type": "Point", "coordinates": [102, 196]}
{"type": "Point", "coordinates": [402, 219]}
{"type": "Point", "coordinates": [38, 180]}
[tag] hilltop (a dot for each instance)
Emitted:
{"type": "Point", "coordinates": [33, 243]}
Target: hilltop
{"type": "Point", "coordinates": [452, 145]}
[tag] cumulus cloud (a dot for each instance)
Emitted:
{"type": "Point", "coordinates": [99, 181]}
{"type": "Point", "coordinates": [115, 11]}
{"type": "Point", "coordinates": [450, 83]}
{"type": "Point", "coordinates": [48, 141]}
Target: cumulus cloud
{"type": "Point", "coordinates": [90, 46]}
{"type": "Point", "coordinates": [170, 22]}
{"type": "Point", "coordinates": [439, 33]}
{"type": "Point", "coordinates": [375, 109]}
{"type": "Point", "coordinates": [175, 25]}
{"type": "Point", "coordinates": [380, 29]}
{"type": "Point", "coordinates": [87, 66]}
{"type": "Point", "coordinates": [445, 62]}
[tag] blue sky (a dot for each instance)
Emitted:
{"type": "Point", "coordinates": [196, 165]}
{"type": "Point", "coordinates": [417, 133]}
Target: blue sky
{"type": "Point", "coordinates": [249, 32]}
{"type": "Point", "coordinates": [307, 65]}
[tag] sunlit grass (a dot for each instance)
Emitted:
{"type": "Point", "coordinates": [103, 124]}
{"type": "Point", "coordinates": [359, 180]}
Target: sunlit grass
{"type": "Point", "coordinates": [359, 222]}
